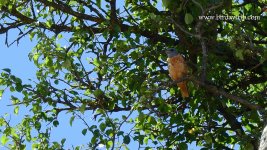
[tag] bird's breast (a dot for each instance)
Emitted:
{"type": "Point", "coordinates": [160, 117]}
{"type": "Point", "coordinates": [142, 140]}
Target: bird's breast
{"type": "Point", "coordinates": [176, 67]}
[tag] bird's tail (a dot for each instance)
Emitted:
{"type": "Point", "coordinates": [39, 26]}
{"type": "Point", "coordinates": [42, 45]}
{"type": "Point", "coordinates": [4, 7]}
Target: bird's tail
{"type": "Point", "coordinates": [183, 89]}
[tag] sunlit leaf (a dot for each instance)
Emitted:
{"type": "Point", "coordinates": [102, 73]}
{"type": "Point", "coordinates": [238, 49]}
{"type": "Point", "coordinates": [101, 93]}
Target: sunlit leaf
{"type": "Point", "coordinates": [4, 139]}
{"type": "Point", "coordinates": [71, 120]}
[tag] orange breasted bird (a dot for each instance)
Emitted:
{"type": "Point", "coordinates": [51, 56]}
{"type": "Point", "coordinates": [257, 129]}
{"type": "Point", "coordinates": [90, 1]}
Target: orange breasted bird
{"type": "Point", "coordinates": [177, 69]}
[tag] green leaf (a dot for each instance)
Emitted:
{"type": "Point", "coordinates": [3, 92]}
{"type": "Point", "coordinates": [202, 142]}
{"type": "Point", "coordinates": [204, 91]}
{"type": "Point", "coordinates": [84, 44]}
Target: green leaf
{"type": "Point", "coordinates": [141, 118]}
{"type": "Point", "coordinates": [126, 139]}
{"type": "Point", "coordinates": [31, 35]}
{"type": "Point", "coordinates": [35, 146]}
{"type": "Point", "coordinates": [3, 3]}
{"type": "Point", "coordinates": [183, 146]}
{"type": "Point", "coordinates": [71, 120]}
{"type": "Point", "coordinates": [248, 7]}
{"type": "Point", "coordinates": [109, 144]}
{"type": "Point", "coordinates": [235, 12]}
{"type": "Point", "coordinates": [102, 126]}
{"type": "Point", "coordinates": [172, 91]}
{"type": "Point", "coordinates": [93, 139]}
{"type": "Point", "coordinates": [63, 141]}
{"type": "Point", "coordinates": [66, 64]}
{"type": "Point", "coordinates": [7, 70]}
{"type": "Point", "coordinates": [49, 23]}
{"type": "Point", "coordinates": [100, 111]}
{"type": "Point", "coordinates": [48, 61]}
{"type": "Point", "coordinates": [208, 138]}
{"type": "Point", "coordinates": [2, 121]}
{"type": "Point", "coordinates": [146, 140]}
{"type": "Point", "coordinates": [16, 110]}
{"type": "Point", "coordinates": [82, 108]}
{"type": "Point", "coordinates": [59, 36]}
{"type": "Point", "coordinates": [96, 62]}
{"type": "Point", "coordinates": [4, 139]}
{"type": "Point", "coordinates": [120, 133]}
{"type": "Point", "coordinates": [55, 123]}
{"type": "Point", "coordinates": [151, 120]}
{"type": "Point", "coordinates": [37, 125]}
{"type": "Point", "coordinates": [84, 131]}
{"type": "Point", "coordinates": [188, 18]}
{"type": "Point", "coordinates": [248, 127]}
{"type": "Point", "coordinates": [19, 87]}
{"type": "Point", "coordinates": [124, 117]}
{"type": "Point", "coordinates": [98, 3]}
{"type": "Point", "coordinates": [98, 93]}
{"type": "Point", "coordinates": [166, 3]}
{"type": "Point", "coordinates": [239, 54]}
{"type": "Point", "coordinates": [1, 94]}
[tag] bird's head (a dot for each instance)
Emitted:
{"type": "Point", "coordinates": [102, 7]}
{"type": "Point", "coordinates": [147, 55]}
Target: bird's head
{"type": "Point", "coordinates": [171, 52]}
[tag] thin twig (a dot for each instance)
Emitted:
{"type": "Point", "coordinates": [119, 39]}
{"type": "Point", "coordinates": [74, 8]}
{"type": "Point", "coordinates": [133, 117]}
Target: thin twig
{"type": "Point", "coordinates": [134, 20]}
{"type": "Point", "coordinates": [199, 5]}
{"type": "Point", "coordinates": [202, 41]}
{"type": "Point", "coordinates": [204, 60]}
{"type": "Point", "coordinates": [184, 30]}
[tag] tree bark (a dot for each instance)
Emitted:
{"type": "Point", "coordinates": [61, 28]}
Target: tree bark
{"type": "Point", "coordinates": [263, 140]}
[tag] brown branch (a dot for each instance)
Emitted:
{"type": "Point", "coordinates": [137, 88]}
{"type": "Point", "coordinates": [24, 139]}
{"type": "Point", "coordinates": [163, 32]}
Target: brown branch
{"type": "Point", "coordinates": [54, 27]}
{"type": "Point", "coordinates": [182, 29]}
{"type": "Point", "coordinates": [11, 26]}
{"type": "Point", "coordinates": [89, 5]}
{"type": "Point", "coordinates": [113, 15]}
{"type": "Point", "coordinates": [20, 37]}
{"type": "Point", "coordinates": [204, 59]}
{"type": "Point", "coordinates": [66, 9]}
{"type": "Point", "coordinates": [259, 42]}
{"type": "Point", "coordinates": [131, 16]}
{"type": "Point", "coordinates": [153, 36]}
{"type": "Point", "coordinates": [245, 82]}
{"type": "Point", "coordinates": [230, 119]}
{"type": "Point", "coordinates": [201, 38]}
{"type": "Point", "coordinates": [213, 89]}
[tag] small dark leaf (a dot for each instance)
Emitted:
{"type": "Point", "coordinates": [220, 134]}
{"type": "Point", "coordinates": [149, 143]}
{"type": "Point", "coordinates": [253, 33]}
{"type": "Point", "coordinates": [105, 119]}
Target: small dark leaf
{"type": "Point", "coordinates": [84, 131]}
{"type": "Point", "coordinates": [19, 87]}
{"type": "Point", "coordinates": [120, 133]}
{"type": "Point", "coordinates": [55, 123]}
{"type": "Point", "coordinates": [63, 141]}
{"type": "Point", "coordinates": [7, 70]}
{"type": "Point", "coordinates": [102, 126]}
{"type": "Point", "coordinates": [126, 139]}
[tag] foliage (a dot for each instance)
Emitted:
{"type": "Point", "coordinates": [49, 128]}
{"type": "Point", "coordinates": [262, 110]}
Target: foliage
{"type": "Point", "coordinates": [107, 58]}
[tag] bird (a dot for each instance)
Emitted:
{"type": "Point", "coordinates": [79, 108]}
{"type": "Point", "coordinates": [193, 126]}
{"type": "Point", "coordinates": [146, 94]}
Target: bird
{"type": "Point", "coordinates": [178, 69]}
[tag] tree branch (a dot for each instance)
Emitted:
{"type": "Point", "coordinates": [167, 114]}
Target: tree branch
{"type": "Point", "coordinates": [221, 92]}
{"type": "Point", "coordinates": [66, 9]}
